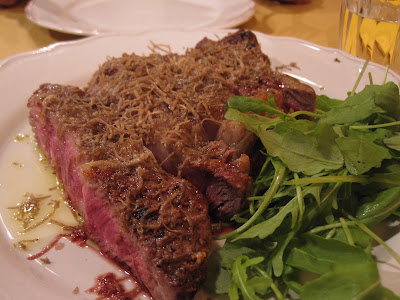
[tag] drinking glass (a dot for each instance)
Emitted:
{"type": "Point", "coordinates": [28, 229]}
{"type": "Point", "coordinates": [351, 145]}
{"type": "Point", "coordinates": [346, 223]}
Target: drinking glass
{"type": "Point", "coordinates": [371, 29]}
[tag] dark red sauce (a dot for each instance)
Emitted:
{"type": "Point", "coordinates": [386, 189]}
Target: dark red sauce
{"type": "Point", "coordinates": [77, 235]}
{"type": "Point", "coordinates": [47, 248]}
{"type": "Point", "coordinates": [108, 286]}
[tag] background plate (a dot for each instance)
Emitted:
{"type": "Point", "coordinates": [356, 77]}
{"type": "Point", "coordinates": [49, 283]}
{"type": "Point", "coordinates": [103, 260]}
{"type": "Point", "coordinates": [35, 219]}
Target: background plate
{"type": "Point", "coordinates": [92, 17]}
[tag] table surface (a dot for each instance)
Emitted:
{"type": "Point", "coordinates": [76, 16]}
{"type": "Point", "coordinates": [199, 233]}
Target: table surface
{"type": "Point", "coordinates": [316, 22]}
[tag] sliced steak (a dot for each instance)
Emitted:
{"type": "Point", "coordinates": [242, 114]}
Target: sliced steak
{"type": "Point", "coordinates": [138, 214]}
{"type": "Point", "coordinates": [146, 156]}
{"type": "Point", "coordinates": [177, 104]}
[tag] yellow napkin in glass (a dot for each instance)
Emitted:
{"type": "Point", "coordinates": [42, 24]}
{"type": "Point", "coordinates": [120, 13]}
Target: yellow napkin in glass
{"type": "Point", "coordinates": [372, 33]}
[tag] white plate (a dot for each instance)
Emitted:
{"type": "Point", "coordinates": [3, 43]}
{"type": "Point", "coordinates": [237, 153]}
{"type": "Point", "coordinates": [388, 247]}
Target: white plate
{"type": "Point", "coordinates": [329, 71]}
{"type": "Point", "coordinates": [92, 17]}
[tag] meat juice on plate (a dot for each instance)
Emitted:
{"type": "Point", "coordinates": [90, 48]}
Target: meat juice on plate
{"type": "Point", "coordinates": [33, 211]}
{"type": "Point", "coordinates": [30, 193]}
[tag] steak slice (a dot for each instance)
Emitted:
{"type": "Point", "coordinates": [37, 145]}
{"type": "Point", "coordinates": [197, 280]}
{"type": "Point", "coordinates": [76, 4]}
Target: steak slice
{"type": "Point", "coordinates": [176, 104]}
{"type": "Point", "coordinates": [257, 79]}
{"type": "Point", "coordinates": [138, 214]}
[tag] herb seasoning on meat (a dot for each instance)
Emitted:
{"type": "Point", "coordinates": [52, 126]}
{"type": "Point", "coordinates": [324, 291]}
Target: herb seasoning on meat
{"type": "Point", "coordinates": [146, 157]}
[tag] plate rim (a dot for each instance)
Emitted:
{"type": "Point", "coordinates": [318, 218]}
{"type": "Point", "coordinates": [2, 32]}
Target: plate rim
{"type": "Point", "coordinates": [9, 62]}
{"type": "Point", "coordinates": [88, 39]}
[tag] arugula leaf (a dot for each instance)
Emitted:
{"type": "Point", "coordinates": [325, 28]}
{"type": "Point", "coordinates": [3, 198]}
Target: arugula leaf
{"type": "Point", "coordinates": [276, 258]}
{"type": "Point", "coordinates": [253, 123]}
{"type": "Point", "coordinates": [307, 153]}
{"type": "Point", "coordinates": [386, 97]}
{"type": "Point", "coordinates": [354, 109]}
{"type": "Point", "coordinates": [361, 153]}
{"type": "Point", "coordinates": [258, 106]}
{"type": "Point", "coordinates": [373, 212]}
{"type": "Point", "coordinates": [393, 142]}
{"type": "Point", "coordinates": [346, 281]}
{"type": "Point", "coordinates": [219, 284]}
{"type": "Point", "coordinates": [249, 288]}
{"type": "Point", "coordinates": [319, 255]}
{"type": "Point", "coordinates": [219, 264]}
{"type": "Point", "coordinates": [267, 227]}
{"type": "Point", "coordinates": [326, 103]}
{"type": "Point", "coordinates": [371, 100]}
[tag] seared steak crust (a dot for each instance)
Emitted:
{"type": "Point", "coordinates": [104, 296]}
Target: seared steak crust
{"type": "Point", "coordinates": [176, 104]}
{"type": "Point", "coordinates": [155, 223]}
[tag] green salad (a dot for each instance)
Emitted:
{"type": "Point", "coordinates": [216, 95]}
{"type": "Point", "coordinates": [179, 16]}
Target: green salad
{"type": "Point", "coordinates": [327, 182]}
